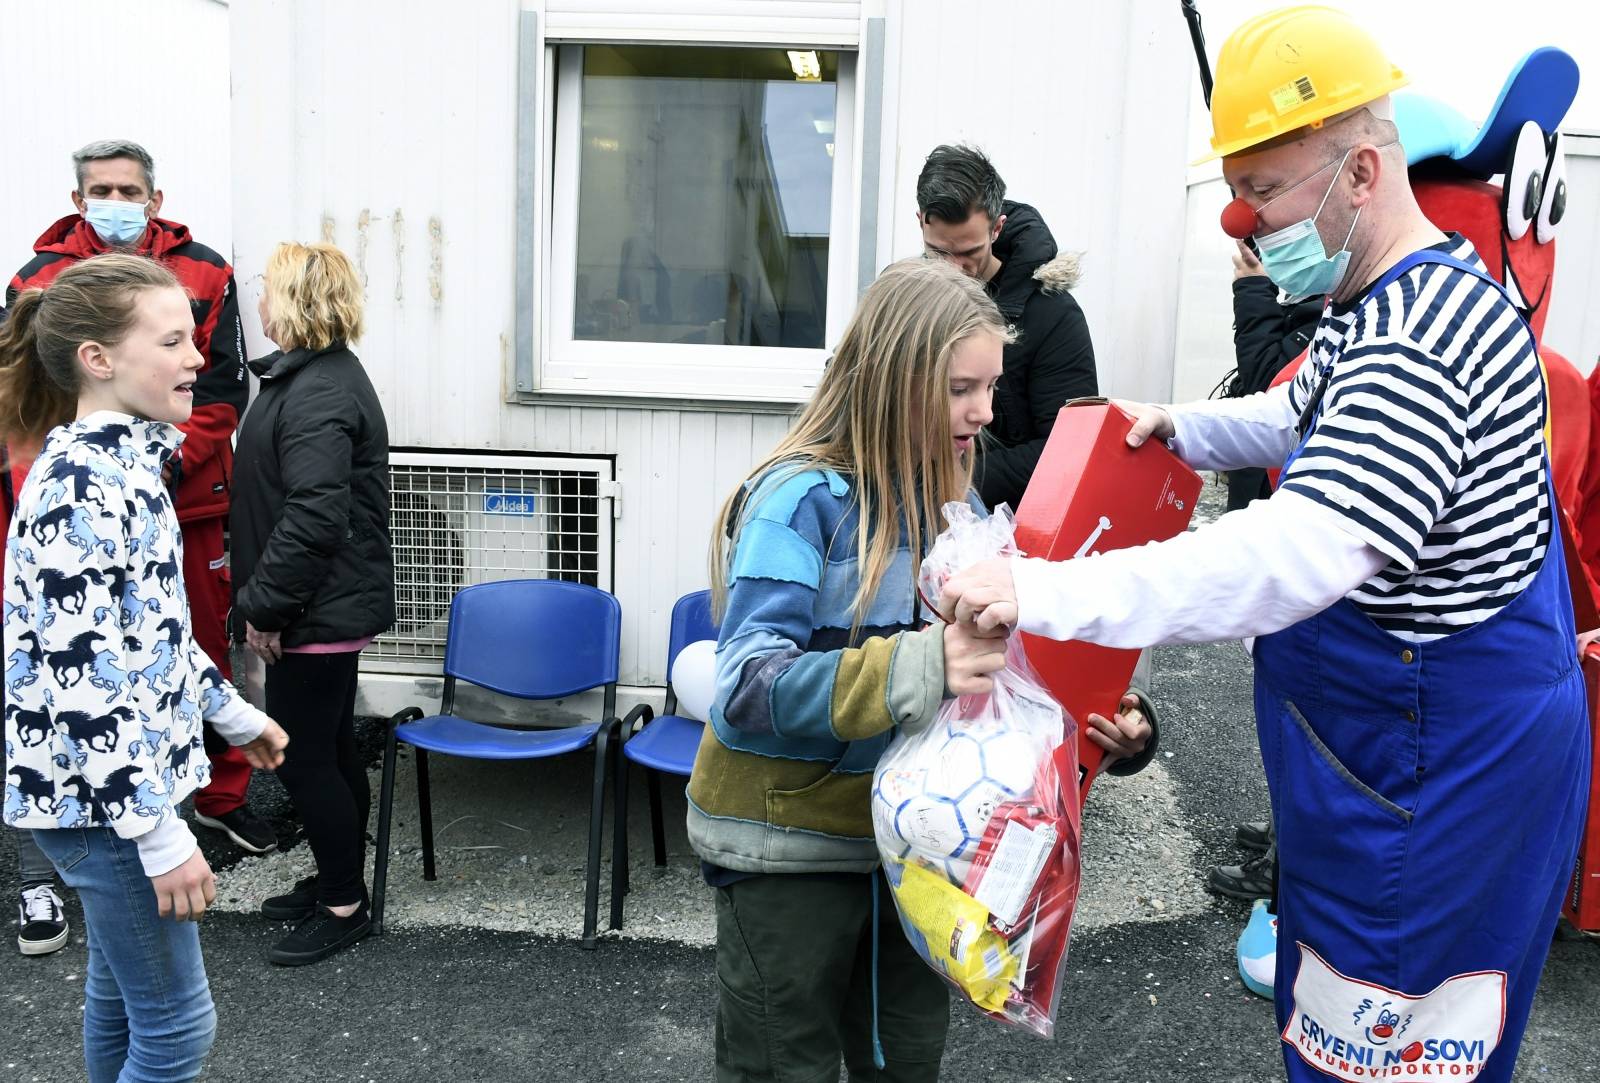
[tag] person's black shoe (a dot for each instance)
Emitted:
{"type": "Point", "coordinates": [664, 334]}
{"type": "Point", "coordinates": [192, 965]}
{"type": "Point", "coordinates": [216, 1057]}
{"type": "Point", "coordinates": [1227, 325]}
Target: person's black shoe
{"type": "Point", "coordinates": [245, 828]}
{"type": "Point", "coordinates": [1255, 836]}
{"type": "Point", "coordinates": [295, 904]}
{"type": "Point", "coordinates": [319, 936]}
{"type": "Point", "coordinates": [1252, 880]}
{"type": "Point", "coordinates": [41, 923]}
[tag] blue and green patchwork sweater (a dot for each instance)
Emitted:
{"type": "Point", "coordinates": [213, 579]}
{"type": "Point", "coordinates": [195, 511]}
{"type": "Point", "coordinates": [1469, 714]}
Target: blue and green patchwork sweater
{"type": "Point", "coordinates": [803, 708]}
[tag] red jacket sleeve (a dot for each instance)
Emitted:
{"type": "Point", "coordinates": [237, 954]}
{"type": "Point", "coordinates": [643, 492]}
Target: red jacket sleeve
{"type": "Point", "coordinates": [221, 391]}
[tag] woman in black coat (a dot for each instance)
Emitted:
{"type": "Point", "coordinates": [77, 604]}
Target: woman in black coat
{"type": "Point", "coordinates": [314, 574]}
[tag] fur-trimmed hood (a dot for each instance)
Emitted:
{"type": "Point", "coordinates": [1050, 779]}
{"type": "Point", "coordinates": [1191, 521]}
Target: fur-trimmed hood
{"type": "Point", "coordinates": [1061, 273]}
{"type": "Point", "coordinates": [1028, 254]}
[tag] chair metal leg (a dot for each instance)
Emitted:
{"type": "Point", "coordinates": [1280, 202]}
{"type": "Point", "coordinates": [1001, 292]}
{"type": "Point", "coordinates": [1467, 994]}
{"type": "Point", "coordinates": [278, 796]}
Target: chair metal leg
{"type": "Point", "coordinates": [621, 865]}
{"type": "Point", "coordinates": [619, 837]}
{"type": "Point", "coordinates": [597, 814]}
{"type": "Point", "coordinates": [380, 864]}
{"type": "Point", "coordinates": [425, 815]}
{"type": "Point", "coordinates": [658, 831]}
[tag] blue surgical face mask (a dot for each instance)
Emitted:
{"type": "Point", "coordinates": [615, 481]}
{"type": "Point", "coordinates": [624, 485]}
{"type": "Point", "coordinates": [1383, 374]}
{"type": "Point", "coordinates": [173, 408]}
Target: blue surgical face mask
{"type": "Point", "coordinates": [117, 221]}
{"type": "Point", "coordinates": [1296, 259]}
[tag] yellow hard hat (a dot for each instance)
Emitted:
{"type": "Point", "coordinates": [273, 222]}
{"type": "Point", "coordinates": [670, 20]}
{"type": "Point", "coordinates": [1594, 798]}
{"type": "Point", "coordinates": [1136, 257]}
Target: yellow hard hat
{"type": "Point", "coordinates": [1293, 68]}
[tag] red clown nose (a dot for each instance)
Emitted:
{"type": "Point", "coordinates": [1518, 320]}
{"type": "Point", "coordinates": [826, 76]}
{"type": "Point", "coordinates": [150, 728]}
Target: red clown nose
{"type": "Point", "coordinates": [1238, 219]}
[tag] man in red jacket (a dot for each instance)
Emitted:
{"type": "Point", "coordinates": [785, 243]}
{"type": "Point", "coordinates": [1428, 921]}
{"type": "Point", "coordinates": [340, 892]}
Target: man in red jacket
{"type": "Point", "coordinates": [118, 206]}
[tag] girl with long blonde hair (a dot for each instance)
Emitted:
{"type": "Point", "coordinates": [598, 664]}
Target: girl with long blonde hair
{"type": "Point", "coordinates": [821, 657]}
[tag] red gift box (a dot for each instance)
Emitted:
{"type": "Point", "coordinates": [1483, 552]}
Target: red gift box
{"type": "Point", "coordinates": [1092, 493]}
{"type": "Point", "coordinates": [1583, 901]}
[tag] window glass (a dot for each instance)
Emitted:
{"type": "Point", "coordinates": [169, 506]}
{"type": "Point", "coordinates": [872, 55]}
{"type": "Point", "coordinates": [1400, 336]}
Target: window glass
{"type": "Point", "coordinates": [704, 195]}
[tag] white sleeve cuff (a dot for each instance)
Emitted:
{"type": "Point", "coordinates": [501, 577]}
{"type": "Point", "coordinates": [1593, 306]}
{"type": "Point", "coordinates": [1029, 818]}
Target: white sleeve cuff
{"type": "Point", "coordinates": [237, 721]}
{"type": "Point", "coordinates": [165, 846]}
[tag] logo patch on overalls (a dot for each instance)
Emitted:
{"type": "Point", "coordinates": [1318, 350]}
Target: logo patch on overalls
{"type": "Point", "coordinates": [1356, 1030]}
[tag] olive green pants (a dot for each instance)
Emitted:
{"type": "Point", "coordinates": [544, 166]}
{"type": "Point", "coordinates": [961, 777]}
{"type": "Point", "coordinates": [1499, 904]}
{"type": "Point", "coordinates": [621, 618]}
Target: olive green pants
{"type": "Point", "coordinates": [794, 977]}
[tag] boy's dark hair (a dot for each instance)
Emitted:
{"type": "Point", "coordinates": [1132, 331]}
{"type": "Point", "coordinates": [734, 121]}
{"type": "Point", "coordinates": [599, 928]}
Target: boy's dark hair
{"type": "Point", "coordinates": [955, 182]}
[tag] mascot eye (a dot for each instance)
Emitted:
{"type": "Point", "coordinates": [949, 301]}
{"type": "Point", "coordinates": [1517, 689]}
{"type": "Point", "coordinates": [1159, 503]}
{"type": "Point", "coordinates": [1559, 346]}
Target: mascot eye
{"type": "Point", "coordinates": [1553, 204]}
{"type": "Point", "coordinates": [1523, 181]}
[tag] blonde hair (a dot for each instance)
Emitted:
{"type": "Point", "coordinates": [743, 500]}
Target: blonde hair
{"type": "Point", "coordinates": [94, 300]}
{"type": "Point", "coordinates": [314, 296]}
{"type": "Point", "coordinates": [881, 417]}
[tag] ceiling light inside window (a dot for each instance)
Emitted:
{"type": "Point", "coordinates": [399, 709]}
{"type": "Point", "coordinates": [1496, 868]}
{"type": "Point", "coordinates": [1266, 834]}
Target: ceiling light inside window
{"type": "Point", "coordinates": [807, 68]}
{"type": "Point", "coordinates": [823, 125]}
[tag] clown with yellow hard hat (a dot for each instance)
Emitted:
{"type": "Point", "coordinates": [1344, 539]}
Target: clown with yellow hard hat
{"type": "Point", "coordinates": [1420, 709]}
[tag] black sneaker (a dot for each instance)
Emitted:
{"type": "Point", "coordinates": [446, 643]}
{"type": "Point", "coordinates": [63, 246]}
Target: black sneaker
{"type": "Point", "coordinates": [245, 828]}
{"type": "Point", "coordinates": [1255, 837]}
{"type": "Point", "coordinates": [41, 923]}
{"type": "Point", "coordinates": [319, 936]}
{"type": "Point", "coordinates": [1252, 880]}
{"type": "Point", "coordinates": [294, 904]}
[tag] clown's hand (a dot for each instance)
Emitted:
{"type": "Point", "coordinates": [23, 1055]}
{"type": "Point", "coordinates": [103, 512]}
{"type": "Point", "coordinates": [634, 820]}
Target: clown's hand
{"type": "Point", "coordinates": [1149, 420]}
{"type": "Point", "coordinates": [983, 594]}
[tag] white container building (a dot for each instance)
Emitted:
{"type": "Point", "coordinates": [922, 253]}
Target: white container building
{"type": "Point", "coordinates": [607, 243]}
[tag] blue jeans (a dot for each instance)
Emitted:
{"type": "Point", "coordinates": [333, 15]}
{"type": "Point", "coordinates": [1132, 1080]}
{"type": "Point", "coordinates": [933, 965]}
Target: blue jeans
{"type": "Point", "coordinates": [147, 1012]}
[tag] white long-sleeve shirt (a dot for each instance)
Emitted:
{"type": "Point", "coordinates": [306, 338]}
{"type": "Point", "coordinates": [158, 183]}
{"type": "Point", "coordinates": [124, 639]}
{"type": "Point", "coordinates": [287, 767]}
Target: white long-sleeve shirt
{"type": "Point", "coordinates": [1252, 572]}
{"type": "Point", "coordinates": [1234, 434]}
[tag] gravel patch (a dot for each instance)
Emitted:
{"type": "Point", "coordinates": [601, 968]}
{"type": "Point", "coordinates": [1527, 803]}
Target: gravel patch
{"type": "Point", "coordinates": [1138, 853]}
{"type": "Point", "coordinates": [1213, 498]}
{"type": "Point", "coordinates": [511, 837]}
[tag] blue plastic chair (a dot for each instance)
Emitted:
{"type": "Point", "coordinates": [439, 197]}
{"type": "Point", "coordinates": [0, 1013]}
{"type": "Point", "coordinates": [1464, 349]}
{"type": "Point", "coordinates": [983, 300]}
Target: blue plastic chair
{"type": "Point", "coordinates": [663, 745]}
{"type": "Point", "coordinates": [529, 638]}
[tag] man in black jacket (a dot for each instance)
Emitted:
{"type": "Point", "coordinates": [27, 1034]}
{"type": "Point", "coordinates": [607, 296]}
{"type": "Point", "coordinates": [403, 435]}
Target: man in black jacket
{"type": "Point", "coordinates": [1266, 336]}
{"type": "Point", "coordinates": [966, 218]}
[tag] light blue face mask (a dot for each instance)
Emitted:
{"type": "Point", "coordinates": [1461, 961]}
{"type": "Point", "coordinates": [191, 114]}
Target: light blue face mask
{"type": "Point", "coordinates": [116, 220]}
{"type": "Point", "coordinates": [1295, 258]}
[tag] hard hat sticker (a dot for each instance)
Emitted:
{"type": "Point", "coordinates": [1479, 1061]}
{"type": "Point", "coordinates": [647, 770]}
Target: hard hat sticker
{"type": "Point", "coordinates": [1293, 95]}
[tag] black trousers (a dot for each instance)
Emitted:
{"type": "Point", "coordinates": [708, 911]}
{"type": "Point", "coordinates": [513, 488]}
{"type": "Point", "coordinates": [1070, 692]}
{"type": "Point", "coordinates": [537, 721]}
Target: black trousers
{"type": "Point", "coordinates": [794, 974]}
{"type": "Point", "coordinates": [313, 697]}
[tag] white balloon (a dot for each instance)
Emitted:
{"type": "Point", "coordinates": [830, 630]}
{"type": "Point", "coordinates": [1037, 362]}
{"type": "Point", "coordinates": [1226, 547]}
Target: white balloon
{"type": "Point", "coordinates": [694, 679]}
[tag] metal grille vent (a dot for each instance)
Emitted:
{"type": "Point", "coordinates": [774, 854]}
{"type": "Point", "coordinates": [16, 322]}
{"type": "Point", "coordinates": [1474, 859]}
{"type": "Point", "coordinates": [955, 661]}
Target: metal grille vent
{"type": "Point", "coordinates": [456, 520]}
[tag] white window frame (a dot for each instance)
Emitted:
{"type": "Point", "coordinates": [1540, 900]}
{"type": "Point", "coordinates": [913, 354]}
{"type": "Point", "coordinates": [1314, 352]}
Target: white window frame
{"type": "Point", "coordinates": [677, 370]}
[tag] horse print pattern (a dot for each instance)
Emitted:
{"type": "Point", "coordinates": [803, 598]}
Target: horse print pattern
{"type": "Point", "coordinates": [105, 687]}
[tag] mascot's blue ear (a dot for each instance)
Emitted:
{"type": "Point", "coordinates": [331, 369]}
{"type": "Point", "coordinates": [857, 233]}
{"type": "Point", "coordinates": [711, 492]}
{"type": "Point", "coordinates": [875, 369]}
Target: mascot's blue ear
{"type": "Point", "coordinates": [1540, 89]}
{"type": "Point", "coordinates": [1429, 128]}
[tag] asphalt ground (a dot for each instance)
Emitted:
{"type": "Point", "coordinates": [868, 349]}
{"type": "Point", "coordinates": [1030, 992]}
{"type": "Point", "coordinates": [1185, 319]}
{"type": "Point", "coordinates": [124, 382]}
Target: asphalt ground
{"type": "Point", "coordinates": [1154, 998]}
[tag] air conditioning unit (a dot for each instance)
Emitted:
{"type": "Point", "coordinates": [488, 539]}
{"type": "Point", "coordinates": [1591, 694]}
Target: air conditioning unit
{"type": "Point", "coordinates": [457, 519]}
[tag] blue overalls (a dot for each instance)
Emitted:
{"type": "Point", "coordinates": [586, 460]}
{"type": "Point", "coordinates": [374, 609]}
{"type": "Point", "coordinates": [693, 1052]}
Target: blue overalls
{"type": "Point", "coordinates": [1428, 799]}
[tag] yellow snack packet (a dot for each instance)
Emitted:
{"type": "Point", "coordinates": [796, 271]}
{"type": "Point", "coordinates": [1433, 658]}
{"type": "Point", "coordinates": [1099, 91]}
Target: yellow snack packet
{"type": "Point", "coordinates": [951, 930]}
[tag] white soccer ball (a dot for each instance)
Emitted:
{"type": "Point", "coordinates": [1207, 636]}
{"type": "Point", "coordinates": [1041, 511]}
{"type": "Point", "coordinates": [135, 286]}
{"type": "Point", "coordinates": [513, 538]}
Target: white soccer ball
{"type": "Point", "coordinates": [936, 804]}
{"type": "Point", "coordinates": [892, 792]}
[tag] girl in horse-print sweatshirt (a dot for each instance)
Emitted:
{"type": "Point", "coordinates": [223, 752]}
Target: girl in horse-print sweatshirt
{"type": "Point", "coordinates": [105, 687]}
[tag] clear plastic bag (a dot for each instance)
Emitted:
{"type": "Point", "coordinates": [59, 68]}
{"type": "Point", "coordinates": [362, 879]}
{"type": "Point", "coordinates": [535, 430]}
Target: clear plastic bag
{"type": "Point", "coordinates": [979, 837]}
